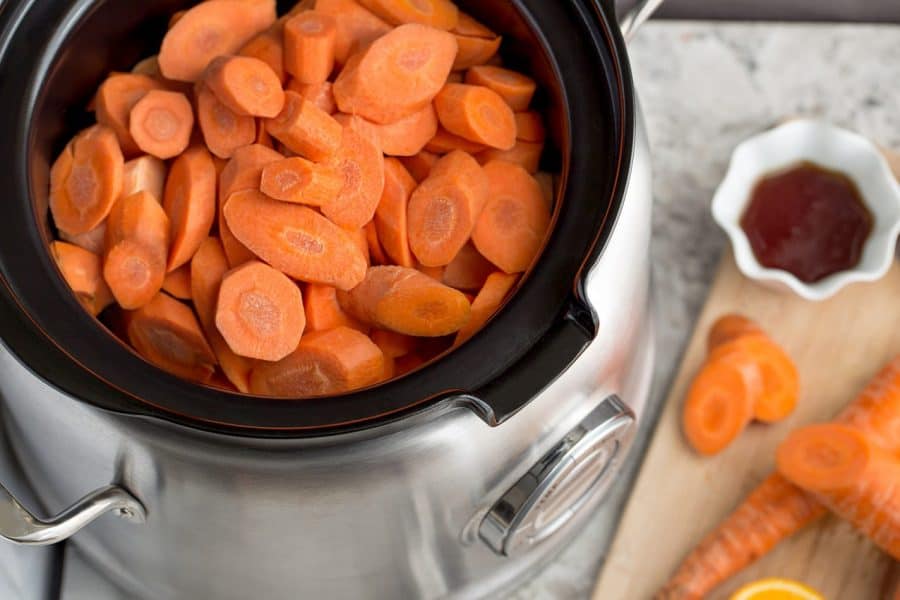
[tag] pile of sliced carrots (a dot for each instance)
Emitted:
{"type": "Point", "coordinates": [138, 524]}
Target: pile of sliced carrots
{"type": "Point", "coordinates": [309, 204]}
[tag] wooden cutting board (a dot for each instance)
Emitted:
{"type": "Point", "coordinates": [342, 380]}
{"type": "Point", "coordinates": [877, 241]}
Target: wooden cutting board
{"type": "Point", "coordinates": [679, 496]}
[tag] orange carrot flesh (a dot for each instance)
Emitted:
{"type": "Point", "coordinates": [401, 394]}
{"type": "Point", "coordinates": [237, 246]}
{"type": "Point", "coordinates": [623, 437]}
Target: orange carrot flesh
{"type": "Point", "coordinates": [86, 180]}
{"type": "Point", "coordinates": [440, 14]}
{"type": "Point", "coordinates": [326, 363]}
{"type": "Point", "coordinates": [468, 270]}
{"type": "Point", "coordinates": [409, 136]}
{"type": "Point", "coordinates": [357, 27]}
{"type": "Point", "coordinates": [444, 208]}
{"type": "Point", "coordinates": [209, 30]}
{"type": "Point", "coordinates": [300, 181]}
{"type": "Point", "coordinates": [477, 114]}
{"type": "Point", "coordinates": [190, 203]}
{"type": "Point", "coordinates": [260, 312]}
{"type": "Point", "coordinates": [391, 215]}
{"type": "Point", "coordinates": [148, 66]}
{"type": "Point", "coordinates": [496, 289]}
{"type": "Point", "coordinates": [514, 223]}
{"type": "Point", "coordinates": [407, 364]}
{"type": "Point", "coordinates": [268, 47]}
{"type": "Point", "coordinates": [178, 283]}
{"type": "Point", "coordinates": [115, 99]}
{"type": "Point", "coordinates": [525, 154]}
{"type": "Point", "coordinates": [374, 247]}
{"type": "Point", "coordinates": [93, 241]}
{"type": "Point", "coordinates": [515, 88]}
{"type": "Point", "coordinates": [419, 166]}
{"type": "Point", "coordinates": [445, 142]}
{"type": "Point", "coordinates": [166, 333]}
{"type": "Point", "coordinates": [224, 131]}
{"type": "Point", "coordinates": [161, 123]}
{"type": "Point", "coordinates": [435, 273]}
{"type": "Point", "coordinates": [306, 129]}
{"type": "Point", "coordinates": [361, 165]}
{"type": "Point", "coordinates": [323, 312]}
{"type": "Point", "coordinates": [397, 75]}
{"type": "Point", "coordinates": [729, 328]}
{"type": "Point", "coordinates": [468, 26]}
{"type": "Point", "coordinates": [530, 127]}
{"type": "Point", "coordinates": [320, 94]}
{"type": "Point", "coordinates": [406, 301]}
{"type": "Point", "coordinates": [247, 86]}
{"type": "Point", "coordinates": [295, 240]}
{"type": "Point", "coordinates": [548, 187]}
{"type": "Point", "coordinates": [475, 51]}
{"type": "Point", "coordinates": [310, 39]}
{"type": "Point", "coordinates": [137, 243]}
{"type": "Point", "coordinates": [361, 238]}
{"type": "Point", "coordinates": [392, 344]}
{"type": "Point", "coordinates": [850, 475]}
{"type": "Point", "coordinates": [83, 271]}
{"type": "Point", "coordinates": [144, 174]}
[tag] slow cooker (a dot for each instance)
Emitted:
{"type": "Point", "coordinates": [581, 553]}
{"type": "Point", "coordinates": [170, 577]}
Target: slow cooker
{"type": "Point", "coordinates": [457, 481]}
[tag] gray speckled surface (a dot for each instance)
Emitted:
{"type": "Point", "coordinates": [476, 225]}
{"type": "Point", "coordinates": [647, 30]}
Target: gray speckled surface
{"type": "Point", "coordinates": [705, 87]}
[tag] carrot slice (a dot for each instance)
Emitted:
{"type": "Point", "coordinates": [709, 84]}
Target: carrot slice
{"type": "Point", "coordinates": [137, 242]}
{"type": "Point", "coordinates": [729, 328]}
{"type": "Point", "coordinates": [144, 174]}
{"type": "Point", "coordinates": [310, 39]}
{"type": "Point", "coordinates": [389, 369]}
{"type": "Point", "coordinates": [391, 215]}
{"type": "Point", "coordinates": [436, 273]}
{"type": "Point", "coordinates": [406, 301]}
{"type": "Point", "coordinates": [367, 129]}
{"type": "Point", "coordinates": [530, 126]}
{"type": "Point", "coordinates": [361, 164]}
{"type": "Point", "coordinates": [161, 123]}
{"type": "Point", "coordinates": [83, 271]}
{"type": "Point", "coordinates": [323, 312]}
{"type": "Point", "coordinates": [468, 26]}
{"type": "Point", "coordinates": [320, 94]}
{"type": "Point", "coordinates": [149, 67]}
{"type": "Point", "coordinates": [407, 364]}
{"type": "Point", "coordinates": [513, 225]}
{"type": "Point", "coordinates": [409, 136]}
{"type": "Point", "coordinates": [477, 114]}
{"type": "Point", "coordinates": [420, 165]}
{"type": "Point", "coordinates": [190, 203]}
{"type": "Point", "coordinates": [178, 283]}
{"type": "Point", "coordinates": [268, 47]}
{"type": "Point", "coordinates": [224, 131]}
{"type": "Point", "coordinates": [86, 180]}
{"type": "Point", "coordinates": [209, 30]}
{"type": "Point", "coordinates": [440, 14]}
{"type": "Point", "coordinates": [393, 344]}
{"type": "Point", "coordinates": [306, 129]}
{"type": "Point", "coordinates": [444, 208]}
{"type": "Point", "coordinates": [166, 333]}
{"type": "Point", "coordinates": [850, 475]}
{"type": "Point", "coordinates": [260, 312]}
{"type": "Point", "coordinates": [115, 99]}
{"type": "Point", "coordinates": [469, 270]}
{"type": "Point", "coordinates": [93, 241]}
{"type": "Point", "coordinates": [295, 240]}
{"type": "Point", "coordinates": [474, 51]}
{"type": "Point", "coordinates": [300, 181]}
{"type": "Point", "coordinates": [496, 288]}
{"type": "Point", "coordinates": [357, 27]}
{"type": "Point", "coordinates": [373, 244]}
{"type": "Point", "coordinates": [525, 154]}
{"type": "Point", "coordinates": [361, 238]}
{"type": "Point", "coordinates": [326, 363]}
{"type": "Point", "coordinates": [247, 86]}
{"type": "Point", "coordinates": [515, 88]}
{"type": "Point", "coordinates": [399, 74]}
{"type": "Point", "coordinates": [445, 142]}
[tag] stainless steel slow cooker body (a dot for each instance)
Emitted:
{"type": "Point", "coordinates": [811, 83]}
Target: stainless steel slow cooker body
{"type": "Point", "coordinates": [456, 481]}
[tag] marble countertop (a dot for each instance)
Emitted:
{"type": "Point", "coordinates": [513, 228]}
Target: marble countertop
{"type": "Point", "coordinates": [705, 87]}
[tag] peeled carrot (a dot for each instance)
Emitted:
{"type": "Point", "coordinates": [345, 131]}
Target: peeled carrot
{"type": "Point", "coordinates": [148, 66]}
{"type": "Point", "coordinates": [435, 273]}
{"type": "Point", "coordinates": [306, 129]}
{"type": "Point", "coordinates": [393, 344]}
{"type": "Point", "coordinates": [407, 364]}
{"type": "Point", "coordinates": [176, 16]}
{"type": "Point", "coordinates": [209, 30]}
{"type": "Point", "coordinates": [360, 237]}
{"type": "Point", "coordinates": [268, 47]}
{"type": "Point", "coordinates": [445, 142]}
{"type": "Point", "coordinates": [115, 99]}
{"type": "Point", "coordinates": [729, 328]}
{"type": "Point", "coordinates": [361, 164]}
{"type": "Point", "coordinates": [374, 247]}
{"type": "Point", "coordinates": [444, 208]}
{"type": "Point", "coordinates": [530, 127]}
{"type": "Point", "coordinates": [326, 363]}
{"type": "Point", "coordinates": [178, 283]}
{"type": "Point", "coordinates": [419, 166]}
{"type": "Point", "coordinates": [468, 26]}
{"type": "Point", "coordinates": [93, 241]}
{"type": "Point", "coordinates": [320, 94]}
{"type": "Point", "coordinates": [137, 243]}
{"type": "Point", "coordinates": [86, 180]}
{"type": "Point", "coordinates": [854, 478]}
{"type": "Point", "coordinates": [247, 86]}
{"type": "Point", "coordinates": [513, 225]}
{"type": "Point", "coordinates": [190, 203]}
{"type": "Point", "coordinates": [260, 312]}
{"type": "Point", "coordinates": [370, 131]}
{"type": "Point", "coordinates": [323, 312]}
{"type": "Point", "coordinates": [468, 270]}
{"type": "Point", "coordinates": [492, 295]}
{"type": "Point", "coordinates": [357, 27]}
{"type": "Point", "coordinates": [161, 123]}
{"type": "Point", "coordinates": [166, 333]}
{"type": "Point", "coordinates": [310, 39]}
{"type": "Point", "coordinates": [391, 215]}
{"type": "Point", "coordinates": [264, 139]}
{"type": "Point", "coordinates": [295, 240]}
{"type": "Point", "coordinates": [525, 154]}
{"type": "Point", "coordinates": [389, 369]}
{"type": "Point", "coordinates": [144, 174]}
{"type": "Point", "coordinates": [224, 131]}
{"type": "Point", "coordinates": [399, 74]}
{"type": "Point", "coordinates": [515, 88]}
{"type": "Point", "coordinates": [405, 301]}
{"type": "Point", "coordinates": [83, 271]}
{"type": "Point", "coordinates": [409, 136]}
{"type": "Point", "coordinates": [477, 114]}
{"type": "Point", "coordinates": [474, 51]}
{"type": "Point", "coordinates": [300, 181]}
{"type": "Point", "coordinates": [440, 14]}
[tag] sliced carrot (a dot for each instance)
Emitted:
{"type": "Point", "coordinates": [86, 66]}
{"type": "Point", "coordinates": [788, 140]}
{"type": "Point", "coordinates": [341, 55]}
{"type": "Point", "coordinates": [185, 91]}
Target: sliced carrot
{"type": "Point", "coordinates": [408, 136]}
{"type": "Point", "coordinates": [469, 270]}
{"type": "Point", "coordinates": [367, 129]}
{"type": "Point", "coordinates": [190, 203]}
{"type": "Point", "coordinates": [548, 187]}
{"type": "Point", "coordinates": [300, 181]}
{"type": "Point", "coordinates": [137, 241]}
{"type": "Point", "coordinates": [513, 225]}
{"type": "Point", "coordinates": [407, 364]}
{"type": "Point", "coordinates": [391, 216]}
{"type": "Point", "coordinates": [436, 273]}
{"type": "Point", "coordinates": [93, 241]}
{"type": "Point", "coordinates": [468, 26]}
{"type": "Point", "coordinates": [306, 129]}
{"type": "Point", "coordinates": [850, 475]}
{"type": "Point", "coordinates": [729, 328]}
{"type": "Point", "coordinates": [310, 39]}
{"type": "Point", "coordinates": [209, 30]}
{"type": "Point", "coordinates": [357, 27]}
{"type": "Point", "coordinates": [361, 164]}
{"type": "Point", "coordinates": [86, 180]}
{"type": "Point", "coordinates": [525, 154]}
{"type": "Point", "coordinates": [320, 94]}
{"type": "Point", "coordinates": [399, 74]}
{"type": "Point", "coordinates": [419, 166]}
{"type": "Point", "coordinates": [445, 207]}
{"type": "Point", "coordinates": [326, 363]}
{"type": "Point", "coordinates": [393, 344]}
{"type": "Point", "coordinates": [224, 131]}
{"type": "Point", "coordinates": [295, 240]}
{"type": "Point", "coordinates": [406, 301]}
{"type": "Point", "coordinates": [115, 99]}
{"type": "Point", "coordinates": [475, 51]}
{"type": "Point", "coordinates": [440, 14]}
{"type": "Point", "coordinates": [247, 86]}
{"type": "Point", "coordinates": [260, 312]}
{"type": "Point", "coordinates": [389, 369]}
{"type": "Point", "coordinates": [323, 312]}
{"type": "Point", "coordinates": [477, 114]}
{"type": "Point", "coordinates": [148, 66]}
{"type": "Point", "coordinates": [178, 283]}
{"type": "Point", "coordinates": [176, 16]}
{"type": "Point", "coordinates": [492, 295]}
{"type": "Point", "coordinates": [361, 238]}
{"type": "Point", "coordinates": [515, 88]}
{"type": "Point", "coordinates": [445, 142]}
{"type": "Point", "coordinates": [268, 47]}
{"type": "Point", "coordinates": [166, 333]}
{"type": "Point", "coordinates": [83, 271]}
{"type": "Point", "coordinates": [144, 174]}
{"type": "Point", "coordinates": [530, 126]}
{"type": "Point", "coordinates": [161, 123]}
{"type": "Point", "coordinates": [375, 249]}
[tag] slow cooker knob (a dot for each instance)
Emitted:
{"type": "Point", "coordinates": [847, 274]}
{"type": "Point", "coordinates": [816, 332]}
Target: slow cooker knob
{"type": "Point", "coordinates": [574, 474]}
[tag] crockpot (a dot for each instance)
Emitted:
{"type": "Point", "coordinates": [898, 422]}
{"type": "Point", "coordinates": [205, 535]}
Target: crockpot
{"type": "Point", "coordinates": [458, 480]}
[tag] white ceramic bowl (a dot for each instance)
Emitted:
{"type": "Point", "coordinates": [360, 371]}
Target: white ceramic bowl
{"type": "Point", "coordinates": [830, 147]}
